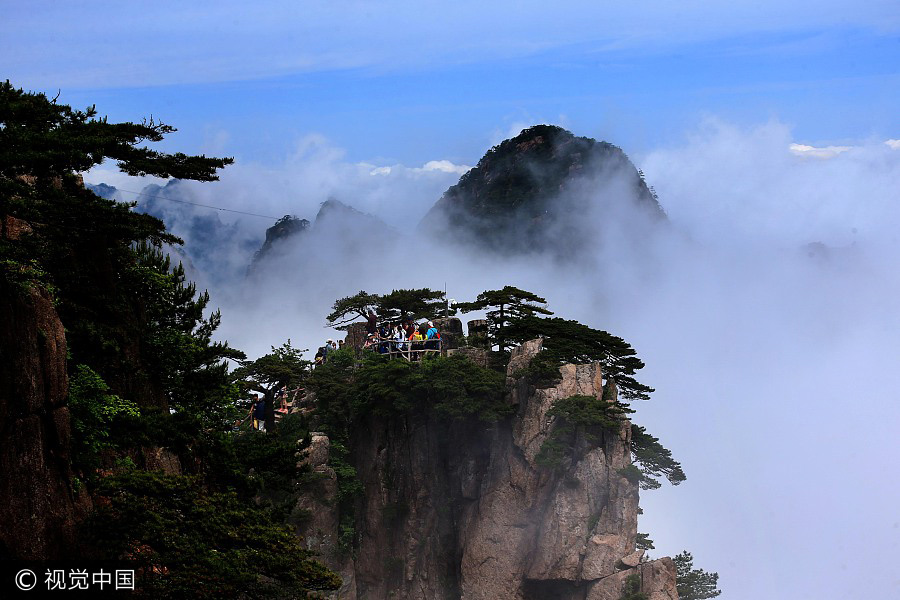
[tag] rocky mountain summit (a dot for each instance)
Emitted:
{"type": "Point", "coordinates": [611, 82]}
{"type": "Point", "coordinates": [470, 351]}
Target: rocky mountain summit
{"type": "Point", "coordinates": [535, 192]}
{"type": "Point", "coordinates": [451, 511]}
{"type": "Point", "coordinates": [531, 193]}
{"type": "Point", "coordinates": [335, 224]}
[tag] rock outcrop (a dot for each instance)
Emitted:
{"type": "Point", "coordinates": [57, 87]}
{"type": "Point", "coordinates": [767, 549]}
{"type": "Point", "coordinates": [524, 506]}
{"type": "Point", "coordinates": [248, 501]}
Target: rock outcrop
{"type": "Point", "coordinates": [39, 508]}
{"type": "Point", "coordinates": [452, 510]}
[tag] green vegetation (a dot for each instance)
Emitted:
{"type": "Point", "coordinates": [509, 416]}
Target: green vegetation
{"type": "Point", "coordinates": [144, 372]}
{"type": "Point", "coordinates": [694, 584]}
{"type": "Point", "coordinates": [568, 341]}
{"type": "Point", "coordinates": [654, 459]}
{"type": "Point", "coordinates": [94, 412]}
{"type": "Point", "coordinates": [402, 304]}
{"type": "Point", "coordinates": [187, 541]}
{"type": "Point", "coordinates": [283, 367]}
{"type": "Point", "coordinates": [581, 422]}
{"type": "Point", "coordinates": [451, 386]}
{"type": "Point", "coordinates": [631, 589]}
{"type": "Point", "coordinates": [642, 541]}
{"type": "Point", "coordinates": [349, 391]}
{"type": "Point", "coordinates": [509, 307]}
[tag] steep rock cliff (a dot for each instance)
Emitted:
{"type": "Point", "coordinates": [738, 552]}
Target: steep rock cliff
{"type": "Point", "coordinates": [463, 511]}
{"type": "Point", "coordinates": [39, 507]}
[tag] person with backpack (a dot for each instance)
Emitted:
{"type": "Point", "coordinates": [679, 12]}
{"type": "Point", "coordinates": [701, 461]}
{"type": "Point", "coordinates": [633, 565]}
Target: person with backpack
{"type": "Point", "coordinates": [433, 336]}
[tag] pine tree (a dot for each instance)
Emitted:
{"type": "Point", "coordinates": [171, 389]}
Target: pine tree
{"type": "Point", "coordinates": [507, 309]}
{"type": "Point", "coordinates": [111, 290]}
{"type": "Point", "coordinates": [282, 367]}
{"type": "Point", "coordinates": [694, 584]}
{"type": "Point", "coordinates": [423, 303]}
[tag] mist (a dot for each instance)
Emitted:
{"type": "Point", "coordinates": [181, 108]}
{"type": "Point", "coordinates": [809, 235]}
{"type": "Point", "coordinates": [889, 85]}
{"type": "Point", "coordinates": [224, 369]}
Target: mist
{"type": "Point", "coordinates": [764, 311]}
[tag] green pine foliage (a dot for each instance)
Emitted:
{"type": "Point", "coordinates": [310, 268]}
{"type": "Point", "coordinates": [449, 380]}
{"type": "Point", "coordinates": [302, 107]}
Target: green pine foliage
{"type": "Point", "coordinates": [176, 338]}
{"type": "Point", "coordinates": [188, 541]}
{"type": "Point", "coordinates": [642, 541]}
{"type": "Point", "coordinates": [654, 459]}
{"type": "Point", "coordinates": [139, 338]}
{"type": "Point", "coordinates": [567, 341]}
{"type": "Point", "coordinates": [282, 367]}
{"type": "Point", "coordinates": [347, 392]}
{"type": "Point", "coordinates": [94, 412]}
{"type": "Point", "coordinates": [452, 386]}
{"type": "Point", "coordinates": [44, 139]}
{"type": "Point", "coordinates": [631, 589]}
{"type": "Point", "coordinates": [581, 420]}
{"type": "Point", "coordinates": [694, 584]}
{"type": "Point", "coordinates": [506, 309]}
{"type": "Point", "coordinates": [423, 303]}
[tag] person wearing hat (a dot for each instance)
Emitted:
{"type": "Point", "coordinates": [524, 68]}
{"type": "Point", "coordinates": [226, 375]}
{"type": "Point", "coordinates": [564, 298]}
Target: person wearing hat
{"type": "Point", "coordinates": [328, 348]}
{"type": "Point", "coordinates": [432, 335]}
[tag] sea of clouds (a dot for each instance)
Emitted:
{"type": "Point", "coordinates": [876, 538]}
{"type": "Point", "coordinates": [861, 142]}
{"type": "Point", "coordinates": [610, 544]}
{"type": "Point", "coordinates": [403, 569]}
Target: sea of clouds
{"type": "Point", "coordinates": [765, 312]}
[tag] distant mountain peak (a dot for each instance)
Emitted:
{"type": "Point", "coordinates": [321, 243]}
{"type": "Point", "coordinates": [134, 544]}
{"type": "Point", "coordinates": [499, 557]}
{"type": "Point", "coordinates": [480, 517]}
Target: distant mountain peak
{"type": "Point", "coordinates": [541, 177]}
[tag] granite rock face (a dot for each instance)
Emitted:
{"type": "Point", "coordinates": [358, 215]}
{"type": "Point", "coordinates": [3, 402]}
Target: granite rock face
{"type": "Point", "coordinates": [463, 511]}
{"type": "Point", "coordinates": [39, 509]}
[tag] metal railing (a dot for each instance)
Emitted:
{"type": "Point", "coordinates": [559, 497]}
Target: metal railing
{"type": "Point", "coordinates": [409, 349]}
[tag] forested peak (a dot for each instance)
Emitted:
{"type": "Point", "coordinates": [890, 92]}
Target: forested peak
{"type": "Point", "coordinates": [526, 188]}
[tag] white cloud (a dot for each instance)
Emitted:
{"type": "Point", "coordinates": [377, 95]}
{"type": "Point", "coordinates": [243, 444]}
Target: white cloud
{"type": "Point", "coordinates": [814, 152]}
{"type": "Point", "coordinates": [445, 166]}
{"type": "Point", "coordinates": [893, 144]}
{"type": "Point", "coordinates": [754, 188]}
{"type": "Point", "coordinates": [432, 166]}
{"type": "Point", "coordinates": [774, 369]}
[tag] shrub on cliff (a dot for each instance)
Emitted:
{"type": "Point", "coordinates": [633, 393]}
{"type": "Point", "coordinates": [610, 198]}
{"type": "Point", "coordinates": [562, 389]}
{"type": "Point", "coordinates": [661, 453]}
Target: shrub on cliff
{"type": "Point", "coordinates": [399, 305]}
{"type": "Point", "coordinates": [187, 541]}
{"type": "Point", "coordinates": [452, 386]}
{"type": "Point", "coordinates": [567, 341]}
{"type": "Point", "coordinates": [94, 411]}
{"type": "Point", "coordinates": [578, 418]}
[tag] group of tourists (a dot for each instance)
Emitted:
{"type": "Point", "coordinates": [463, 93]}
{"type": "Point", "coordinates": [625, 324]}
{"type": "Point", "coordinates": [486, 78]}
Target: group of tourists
{"type": "Point", "coordinates": [329, 347]}
{"type": "Point", "coordinates": [404, 336]}
{"type": "Point", "coordinates": [401, 336]}
{"type": "Point", "coordinates": [258, 407]}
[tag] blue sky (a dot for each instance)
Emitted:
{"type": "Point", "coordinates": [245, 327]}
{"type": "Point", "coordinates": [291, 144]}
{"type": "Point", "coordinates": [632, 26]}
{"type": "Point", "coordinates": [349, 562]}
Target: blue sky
{"type": "Point", "coordinates": [411, 82]}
